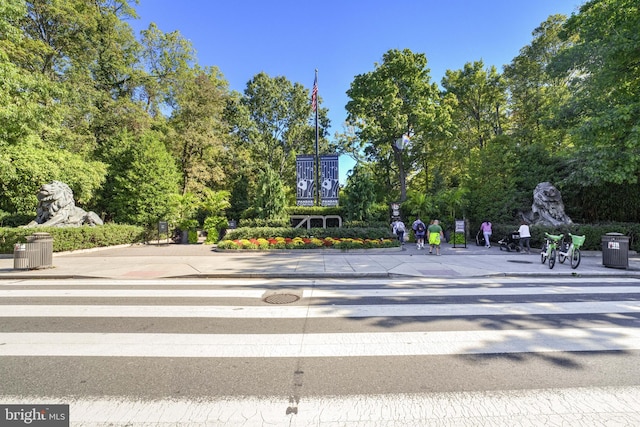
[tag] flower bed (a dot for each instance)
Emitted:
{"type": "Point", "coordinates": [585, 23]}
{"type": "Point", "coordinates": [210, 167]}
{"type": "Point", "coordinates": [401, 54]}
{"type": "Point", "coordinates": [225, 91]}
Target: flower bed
{"type": "Point", "coordinates": [306, 243]}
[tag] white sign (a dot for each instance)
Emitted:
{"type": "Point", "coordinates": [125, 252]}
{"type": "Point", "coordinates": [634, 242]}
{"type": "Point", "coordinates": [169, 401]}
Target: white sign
{"type": "Point", "coordinates": [459, 226]}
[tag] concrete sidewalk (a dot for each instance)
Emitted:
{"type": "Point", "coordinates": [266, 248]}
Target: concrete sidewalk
{"type": "Point", "coordinates": [175, 260]}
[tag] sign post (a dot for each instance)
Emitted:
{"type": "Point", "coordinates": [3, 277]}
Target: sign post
{"type": "Point", "coordinates": [395, 210]}
{"type": "Point", "coordinates": [459, 229]}
{"type": "Point", "coordinates": [163, 228]}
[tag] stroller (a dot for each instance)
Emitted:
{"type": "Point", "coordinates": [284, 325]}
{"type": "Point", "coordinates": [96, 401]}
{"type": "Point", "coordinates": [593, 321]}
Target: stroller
{"type": "Point", "coordinates": [511, 242]}
{"type": "Point", "coordinates": [480, 238]}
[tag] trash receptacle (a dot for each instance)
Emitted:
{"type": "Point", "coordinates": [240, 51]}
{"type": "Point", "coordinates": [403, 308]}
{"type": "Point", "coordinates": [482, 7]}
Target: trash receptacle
{"type": "Point", "coordinates": [40, 250]}
{"type": "Point", "coordinates": [615, 250]}
{"type": "Point", "coordinates": [20, 260]}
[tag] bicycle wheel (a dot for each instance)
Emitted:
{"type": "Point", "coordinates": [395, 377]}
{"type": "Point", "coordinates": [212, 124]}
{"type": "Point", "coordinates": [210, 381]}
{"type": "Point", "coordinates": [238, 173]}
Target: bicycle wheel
{"type": "Point", "coordinates": [552, 258]}
{"type": "Point", "coordinates": [561, 257]}
{"type": "Point", "coordinates": [575, 259]}
{"type": "Point", "coordinates": [543, 255]}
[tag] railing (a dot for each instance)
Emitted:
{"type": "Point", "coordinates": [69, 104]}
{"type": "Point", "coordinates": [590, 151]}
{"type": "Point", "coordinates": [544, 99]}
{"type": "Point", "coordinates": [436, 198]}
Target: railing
{"type": "Point", "coordinates": [306, 219]}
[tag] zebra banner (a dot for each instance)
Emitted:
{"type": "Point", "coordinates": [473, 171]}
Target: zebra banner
{"type": "Point", "coordinates": [305, 191]}
{"type": "Point", "coordinates": [329, 183]}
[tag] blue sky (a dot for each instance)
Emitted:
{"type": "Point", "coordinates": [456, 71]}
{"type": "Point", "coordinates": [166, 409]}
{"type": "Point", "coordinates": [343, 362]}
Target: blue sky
{"type": "Point", "coordinates": [344, 38]}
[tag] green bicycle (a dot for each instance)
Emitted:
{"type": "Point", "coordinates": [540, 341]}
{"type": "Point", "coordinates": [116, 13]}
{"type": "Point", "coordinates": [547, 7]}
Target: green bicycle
{"type": "Point", "coordinates": [550, 248]}
{"type": "Point", "coordinates": [571, 250]}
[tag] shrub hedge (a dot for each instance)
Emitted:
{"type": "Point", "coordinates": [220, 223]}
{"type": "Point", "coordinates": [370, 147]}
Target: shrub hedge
{"type": "Point", "coordinates": [320, 233]}
{"type": "Point", "coordinates": [74, 238]}
{"type": "Point", "coordinates": [592, 232]}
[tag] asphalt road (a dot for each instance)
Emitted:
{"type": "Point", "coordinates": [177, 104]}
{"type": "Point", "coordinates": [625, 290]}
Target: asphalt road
{"type": "Point", "coordinates": [331, 352]}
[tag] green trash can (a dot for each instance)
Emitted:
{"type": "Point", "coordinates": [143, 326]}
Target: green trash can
{"type": "Point", "coordinates": [615, 250]}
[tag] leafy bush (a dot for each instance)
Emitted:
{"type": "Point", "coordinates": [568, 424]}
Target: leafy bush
{"type": "Point", "coordinates": [592, 232]}
{"type": "Point", "coordinates": [306, 243]}
{"type": "Point", "coordinates": [75, 238]}
{"type": "Point", "coordinates": [456, 238]}
{"type": "Point", "coordinates": [367, 224]}
{"type": "Point", "coordinates": [315, 210]}
{"type": "Point", "coordinates": [213, 225]}
{"type": "Point", "coordinates": [321, 233]}
{"type": "Point", "coordinates": [260, 222]}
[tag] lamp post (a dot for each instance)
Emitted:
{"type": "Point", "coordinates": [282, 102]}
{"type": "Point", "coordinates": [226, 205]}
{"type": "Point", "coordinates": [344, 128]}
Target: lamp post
{"type": "Point", "coordinates": [400, 144]}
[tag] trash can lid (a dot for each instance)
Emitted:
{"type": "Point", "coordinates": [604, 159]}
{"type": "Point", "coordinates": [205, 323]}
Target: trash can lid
{"type": "Point", "coordinates": [615, 234]}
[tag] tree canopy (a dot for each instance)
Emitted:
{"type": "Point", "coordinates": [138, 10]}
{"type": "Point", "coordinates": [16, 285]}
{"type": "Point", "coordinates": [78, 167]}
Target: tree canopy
{"type": "Point", "coordinates": [128, 120]}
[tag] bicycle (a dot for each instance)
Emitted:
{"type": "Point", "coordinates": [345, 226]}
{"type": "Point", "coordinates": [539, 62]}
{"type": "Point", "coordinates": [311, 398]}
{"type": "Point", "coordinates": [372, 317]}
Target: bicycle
{"type": "Point", "coordinates": [550, 248]}
{"type": "Point", "coordinates": [571, 250]}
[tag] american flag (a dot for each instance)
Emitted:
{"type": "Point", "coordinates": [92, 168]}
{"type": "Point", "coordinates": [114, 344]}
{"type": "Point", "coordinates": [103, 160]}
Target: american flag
{"type": "Point", "coordinates": [314, 94]}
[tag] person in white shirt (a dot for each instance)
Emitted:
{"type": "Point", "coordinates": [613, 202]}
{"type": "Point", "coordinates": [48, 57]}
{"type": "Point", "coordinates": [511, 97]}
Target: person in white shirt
{"type": "Point", "coordinates": [399, 229]}
{"type": "Point", "coordinates": [525, 236]}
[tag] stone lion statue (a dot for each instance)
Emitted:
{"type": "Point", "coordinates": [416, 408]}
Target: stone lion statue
{"type": "Point", "coordinates": [56, 208]}
{"type": "Point", "coordinates": [547, 208]}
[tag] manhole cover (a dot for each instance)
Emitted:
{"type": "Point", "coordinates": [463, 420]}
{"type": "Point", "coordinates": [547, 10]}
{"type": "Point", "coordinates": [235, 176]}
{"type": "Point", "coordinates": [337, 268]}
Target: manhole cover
{"type": "Point", "coordinates": [519, 261]}
{"type": "Point", "coordinates": [281, 298]}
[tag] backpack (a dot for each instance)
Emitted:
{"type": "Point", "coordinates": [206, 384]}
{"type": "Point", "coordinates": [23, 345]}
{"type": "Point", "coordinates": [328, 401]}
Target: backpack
{"type": "Point", "coordinates": [420, 228]}
{"type": "Point", "coordinates": [399, 226]}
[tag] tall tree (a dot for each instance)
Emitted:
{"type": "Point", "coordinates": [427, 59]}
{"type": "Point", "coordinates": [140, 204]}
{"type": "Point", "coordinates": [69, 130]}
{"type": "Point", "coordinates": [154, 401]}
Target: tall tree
{"type": "Point", "coordinates": [534, 93]}
{"type": "Point", "coordinates": [273, 120]}
{"type": "Point", "coordinates": [88, 52]}
{"type": "Point", "coordinates": [27, 98]}
{"type": "Point", "coordinates": [142, 191]}
{"type": "Point", "coordinates": [604, 64]}
{"type": "Point", "coordinates": [270, 200]}
{"type": "Point", "coordinates": [395, 99]}
{"type": "Point", "coordinates": [166, 59]}
{"type": "Point", "coordinates": [197, 129]}
{"type": "Point", "coordinates": [359, 194]}
{"type": "Point", "coordinates": [481, 103]}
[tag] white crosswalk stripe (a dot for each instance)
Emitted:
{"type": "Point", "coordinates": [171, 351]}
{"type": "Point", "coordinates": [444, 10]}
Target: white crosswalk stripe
{"type": "Point", "coordinates": [337, 311]}
{"type": "Point", "coordinates": [319, 345]}
{"type": "Point", "coordinates": [309, 293]}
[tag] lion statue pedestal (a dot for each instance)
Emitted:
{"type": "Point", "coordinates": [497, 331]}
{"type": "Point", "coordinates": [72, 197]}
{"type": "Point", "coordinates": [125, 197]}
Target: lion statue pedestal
{"type": "Point", "coordinates": [56, 208]}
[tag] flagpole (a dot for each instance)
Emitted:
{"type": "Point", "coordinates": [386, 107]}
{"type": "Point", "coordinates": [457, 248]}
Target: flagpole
{"type": "Point", "coordinates": [317, 155]}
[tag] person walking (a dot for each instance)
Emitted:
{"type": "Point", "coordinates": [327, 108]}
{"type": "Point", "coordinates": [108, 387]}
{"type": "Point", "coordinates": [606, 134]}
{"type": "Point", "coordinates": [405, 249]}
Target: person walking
{"type": "Point", "coordinates": [485, 227]}
{"type": "Point", "coordinates": [435, 236]}
{"type": "Point", "coordinates": [399, 229]}
{"type": "Point", "coordinates": [419, 229]}
{"type": "Point", "coordinates": [525, 236]}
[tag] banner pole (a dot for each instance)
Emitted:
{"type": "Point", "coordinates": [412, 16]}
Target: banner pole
{"type": "Point", "coordinates": [317, 154]}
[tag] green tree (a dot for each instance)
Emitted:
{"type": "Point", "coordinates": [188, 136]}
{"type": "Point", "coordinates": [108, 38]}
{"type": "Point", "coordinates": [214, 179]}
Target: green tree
{"type": "Point", "coordinates": [25, 168]}
{"type": "Point", "coordinates": [273, 121]}
{"type": "Point", "coordinates": [359, 194]}
{"type": "Point", "coordinates": [395, 99]}
{"type": "Point", "coordinates": [197, 129]}
{"type": "Point", "coordinates": [166, 59]}
{"type": "Point", "coordinates": [481, 104]}
{"type": "Point", "coordinates": [142, 192]}
{"type": "Point", "coordinates": [492, 187]}
{"type": "Point", "coordinates": [419, 204]}
{"type": "Point", "coordinates": [213, 207]}
{"type": "Point", "coordinates": [26, 98]}
{"type": "Point", "coordinates": [534, 93]}
{"type": "Point", "coordinates": [270, 201]}
{"type": "Point", "coordinates": [88, 54]}
{"type": "Point", "coordinates": [604, 110]}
